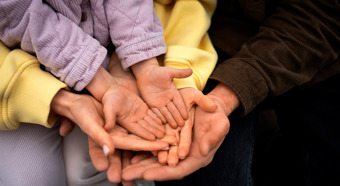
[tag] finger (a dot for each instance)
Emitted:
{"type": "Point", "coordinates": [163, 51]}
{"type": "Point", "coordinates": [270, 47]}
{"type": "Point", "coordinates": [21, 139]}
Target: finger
{"type": "Point", "coordinates": [139, 130]}
{"type": "Point", "coordinates": [135, 171]}
{"type": "Point", "coordinates": [169, 139]}
{"type": "Point", "coordinates": [214, 136]}
{"type": "Point", "coordinates": [175, 113]}
{"type": "Point", "coordinates": [155, 129]}
{"type": "Point", "coordinates": [100, 136]}
{"type": "Point", "coordinates": [154, 117]}
{"type": "Point", "coordinates": [163, 157]}
{"type": "Point", "coordinates": [66, 126]}
{"type": "Point", "coordinates": [99, 160]}
{"type": "Point", "coordinates": [179, 103]}
{"type": "Point", "coordinates": [110, 117]}
{"type": "Point", "coordinates": [114, 171]}
{"type": "Point", "coordinates": [168, 117]}
{"type": "Point", "coordinates": [185, 137]}
{"type": "Point", "coordinates": [140, 156]}
{"type": "Point", "coordinates": [163, 173]}
{"type": "Point", "coordinates": [173, 155]}
{"type": "Point", "coordinates": [179, 73]}
{"type": "Point", "coordinates": [204, 102]}
{"type": "Point", "coordinates": [135, 144]}
{"type": "Point", "coordinates": [158, 114]}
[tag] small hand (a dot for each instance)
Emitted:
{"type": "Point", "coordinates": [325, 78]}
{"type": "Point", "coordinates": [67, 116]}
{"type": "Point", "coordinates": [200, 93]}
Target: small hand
{"type": "Point", "coordinates": [130, 112]}
{"type": "Point", "coordinates": [158, 90]}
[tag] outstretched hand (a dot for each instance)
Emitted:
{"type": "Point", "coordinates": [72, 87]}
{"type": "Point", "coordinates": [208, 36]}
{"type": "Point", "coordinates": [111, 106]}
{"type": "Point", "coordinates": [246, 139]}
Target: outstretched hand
{"type": "Point", "coordinates": [210, 130]}
{"type": "Point", "coordinates": [158, 90]}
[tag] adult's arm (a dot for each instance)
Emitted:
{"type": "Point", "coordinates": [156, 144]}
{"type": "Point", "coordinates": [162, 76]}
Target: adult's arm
{"type": "Point", "coordinates": [58, 42]}
{"type": "Point", "coordinates": [26, 91]}
{"type": "Point", "coordinates": [188, 45]}
{"type": "Point", "coordinates": [296, 46]}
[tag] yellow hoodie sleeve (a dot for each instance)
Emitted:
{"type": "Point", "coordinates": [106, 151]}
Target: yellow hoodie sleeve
{"type": "Point", "coordinates": [26, 91]}
{"type": "Point", "coordinates": [185, 30]}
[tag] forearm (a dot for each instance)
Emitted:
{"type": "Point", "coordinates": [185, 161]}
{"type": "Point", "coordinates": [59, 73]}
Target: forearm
{"type": "Point", "coordinates": [136, 42]}
{"type": "Point", "coordinates": [226, 96]}
{"type": "Point", "coordinates": [59, 44]}
{"type": "Point", "coordinates": [101, 83]}
{"type": "Point", "coordinates": [289, 51]}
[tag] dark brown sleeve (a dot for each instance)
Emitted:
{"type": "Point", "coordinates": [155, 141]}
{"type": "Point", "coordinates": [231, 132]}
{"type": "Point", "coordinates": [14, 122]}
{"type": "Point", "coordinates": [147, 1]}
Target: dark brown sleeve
{"type": "Point", "coordinates": [296, 46]}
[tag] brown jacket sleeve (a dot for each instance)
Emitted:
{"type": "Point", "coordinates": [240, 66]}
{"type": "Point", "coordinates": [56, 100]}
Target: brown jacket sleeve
{"type": "Point", "coordinates": [296, 46]}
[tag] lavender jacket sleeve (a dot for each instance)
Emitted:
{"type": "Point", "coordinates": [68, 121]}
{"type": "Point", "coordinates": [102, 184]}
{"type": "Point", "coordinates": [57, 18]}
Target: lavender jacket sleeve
{"type": "Point", "coordinates": [135, 30]}
{"type": "Point", "coordinates": [59, 44]}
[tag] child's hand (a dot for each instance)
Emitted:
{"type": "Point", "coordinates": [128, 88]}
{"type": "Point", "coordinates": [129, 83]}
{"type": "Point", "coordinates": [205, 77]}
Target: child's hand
{"type": "Point", "coordinates": [120, 104]}
{"type": "Point", "coordinates": [159, 91]}
{"type": "Point", "coordinates": [124, 78]}
{"type": "Point", "coordinates": [131, 113]}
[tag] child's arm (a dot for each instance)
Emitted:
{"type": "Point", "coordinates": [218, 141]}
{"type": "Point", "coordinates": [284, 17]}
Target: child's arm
{"type": "Point", "coordinates": [56, 39]}
{"type": "Point", "coordinates": [122, 105]}
{"type": "Point", "coordinates": [158, 90]}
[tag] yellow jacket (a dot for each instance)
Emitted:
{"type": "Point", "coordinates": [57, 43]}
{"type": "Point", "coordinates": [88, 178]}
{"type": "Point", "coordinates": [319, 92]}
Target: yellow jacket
{"type": "Point", "coordinates": [186, 23]}
{"type": "Point", "coordinates": [26, 91]}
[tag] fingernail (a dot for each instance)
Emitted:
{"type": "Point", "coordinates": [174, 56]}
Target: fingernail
{"type": "Point", "coordinates": [167, 148]}
{"type": "Point", "coordinates": [181, 154]}
{"type": "Point", "coordinates": [105, 149]}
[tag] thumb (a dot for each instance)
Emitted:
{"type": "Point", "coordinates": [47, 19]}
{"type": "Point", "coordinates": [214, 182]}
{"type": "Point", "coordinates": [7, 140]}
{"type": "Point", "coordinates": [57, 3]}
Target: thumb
{"type": "Point", "coordinates": [179, 73]}
{"type": "Point", "coordinates": [100, 137]}
{"type": "Point", "coordinates": [204, 102]}
{"type": "Point", "coordinates": [110, 117]}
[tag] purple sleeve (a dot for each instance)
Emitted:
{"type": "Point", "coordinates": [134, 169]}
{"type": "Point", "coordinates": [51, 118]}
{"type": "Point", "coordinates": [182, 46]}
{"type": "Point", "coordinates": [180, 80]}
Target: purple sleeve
{"type": "Point", "coordinates": [59, 44]}
{"type": "Point", "coordinates": [135, 30]}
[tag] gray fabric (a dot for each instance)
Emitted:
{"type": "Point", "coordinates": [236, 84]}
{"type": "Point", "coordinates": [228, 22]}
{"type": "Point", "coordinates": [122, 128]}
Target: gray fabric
{"type": "Point", "coordinates": [79, 168]}
{"type": "Point", "coordinates": [31, 155]}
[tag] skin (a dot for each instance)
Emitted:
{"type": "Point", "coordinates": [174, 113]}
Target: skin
{"type": "Point", "coordinates": [158, 90]}
{"type": "Point", "coordinates": [209, 132]}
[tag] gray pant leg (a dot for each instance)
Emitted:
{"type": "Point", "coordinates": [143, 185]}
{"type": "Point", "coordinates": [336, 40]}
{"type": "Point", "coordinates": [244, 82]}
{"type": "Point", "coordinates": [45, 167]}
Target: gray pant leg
{"type": "Point", "coordinates": [78, 164]}
{"type": "Point", "coordinates": [31, 156]}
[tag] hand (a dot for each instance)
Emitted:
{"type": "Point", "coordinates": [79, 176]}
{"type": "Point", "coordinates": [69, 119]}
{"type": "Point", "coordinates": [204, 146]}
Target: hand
{"type": "Point", "coordinates": [123, 78]}
{"type": "Point", "coordinates": [132, 113]}
{"type": "Point", "coordinates": [123, 140]}
{"type": "Point", "coordinates": [86, 112]}
{"type": "Point", "coordinates": [159, 91]}
{"type": "Point", "coordinates": [209, 132]}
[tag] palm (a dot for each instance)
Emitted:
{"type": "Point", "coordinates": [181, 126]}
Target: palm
{"type": "Point", "coordinates": [157, 88]}
{"type": "Point", "coordinates": [131, 113]}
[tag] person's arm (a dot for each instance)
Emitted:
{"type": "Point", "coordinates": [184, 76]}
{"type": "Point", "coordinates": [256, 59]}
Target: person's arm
{"type": "Point", "coordinates": [59, 43]}
{"type": "Point", "coordinates": [188, 45]}
{"type": "Point", "coordinates": [135, 30]}
{"type": "Point", "coordinates": [26, 91]}
{"type": "Point", "coordinates": [296, 46]}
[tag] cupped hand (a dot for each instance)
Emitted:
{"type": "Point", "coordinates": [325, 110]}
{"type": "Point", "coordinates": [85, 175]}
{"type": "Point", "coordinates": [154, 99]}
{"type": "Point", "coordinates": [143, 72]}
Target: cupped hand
{"type": "Point", "coordinates": [129, 110]}
{"type": "Point", "coordinates": [158, 90]}
{"type": "Point", "coordinates": [209, 132]}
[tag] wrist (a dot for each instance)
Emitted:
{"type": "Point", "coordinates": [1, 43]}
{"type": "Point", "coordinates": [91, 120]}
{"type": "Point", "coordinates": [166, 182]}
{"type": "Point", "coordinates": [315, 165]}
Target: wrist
{"type": "Point", "coordinates": [143, 67]}
{"type": "Point", "coordinates": [101, 83]}
{"type": "Point", "coordinates": [61, 102]}
{"type": "Point", "coordinates": [226, 96]}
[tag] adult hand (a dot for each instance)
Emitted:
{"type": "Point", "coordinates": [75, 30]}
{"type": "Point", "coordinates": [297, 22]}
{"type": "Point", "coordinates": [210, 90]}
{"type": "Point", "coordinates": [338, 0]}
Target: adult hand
{"type": "Point", "coordinates": [209, 132]}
